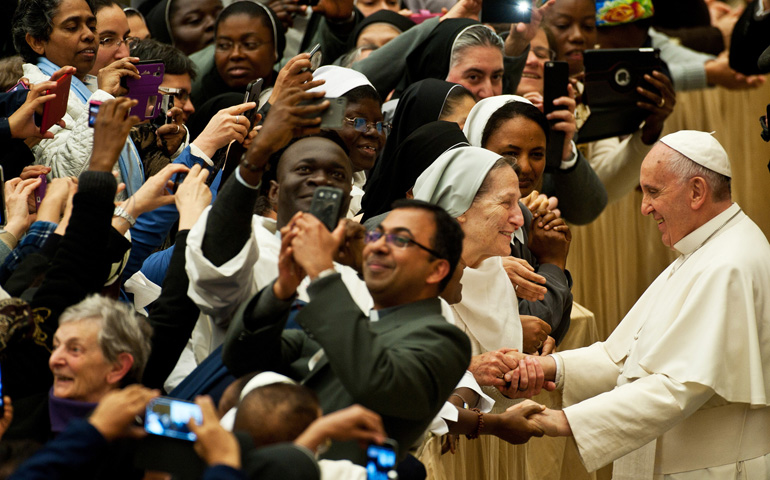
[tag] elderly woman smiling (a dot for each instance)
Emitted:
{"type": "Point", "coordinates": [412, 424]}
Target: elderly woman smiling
{"type": "Point", "coordinates": [481, 190]}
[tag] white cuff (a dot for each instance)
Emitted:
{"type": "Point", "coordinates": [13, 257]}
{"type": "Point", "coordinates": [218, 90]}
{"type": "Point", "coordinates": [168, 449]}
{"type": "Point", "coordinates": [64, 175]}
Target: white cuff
{"type": "Point", "coordinates": [245, 183]}
{"type": "Point", "coordinates": [566, 165]}
{"type": "Point", "coordinates": [194, 150]}
{"type": "Point", "coordinates": [559, 375]}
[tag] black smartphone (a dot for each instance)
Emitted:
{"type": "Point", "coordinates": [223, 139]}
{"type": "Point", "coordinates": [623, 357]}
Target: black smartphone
{"type": "Point", "coordinates": [555, 80]}
{"type": "Point", "coordinates": [381, 460]}
{"type": "Point", "coordinates": [169, 417]}
{"type": "Point", "coordinates": [326, 205]}
{"type": "Point", "coordinates": [506, 11]}
{"type": "Point", "coordinates": [253, 90]}
{"type": "Point", "coordinates": [166, 104]}
{"type": "Point", "coordinates": [315, 59]}
{"type": "Point", "coordinates": [333, 118]}
{"type": "Point", "coordinates": [311, 3]}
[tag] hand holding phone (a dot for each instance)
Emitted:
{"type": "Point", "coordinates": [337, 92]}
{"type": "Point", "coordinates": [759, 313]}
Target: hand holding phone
{"type": "Point", "coordinates": [556, 81]}
{"type": "Point", "coordinates": [54, 110]}
{"type": "Point", "coordinates": [506, 11]}
{"type": "Point", "coordinates": [253, 90]}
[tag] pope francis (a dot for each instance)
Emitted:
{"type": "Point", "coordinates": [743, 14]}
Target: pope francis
{"type": "Point", "coordinates": [681, 388]}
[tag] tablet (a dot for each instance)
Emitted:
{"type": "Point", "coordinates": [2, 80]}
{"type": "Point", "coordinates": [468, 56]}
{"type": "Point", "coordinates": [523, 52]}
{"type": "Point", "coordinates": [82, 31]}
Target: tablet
{"type": "Point", "coordinates": [54, 110]}
{"type": "Point", "coordinates": [611, 78]}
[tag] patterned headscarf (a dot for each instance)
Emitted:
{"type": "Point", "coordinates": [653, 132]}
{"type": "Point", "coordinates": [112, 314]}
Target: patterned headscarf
{"type": "Point", "coordinates": [619, 12]}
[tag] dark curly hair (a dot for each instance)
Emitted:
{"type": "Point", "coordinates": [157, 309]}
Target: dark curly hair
{"type": "Point", "coordinates": [34, 17]}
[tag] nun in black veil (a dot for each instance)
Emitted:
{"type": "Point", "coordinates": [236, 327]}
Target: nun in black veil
{"type": "Point", "coordinates": [416, 153]}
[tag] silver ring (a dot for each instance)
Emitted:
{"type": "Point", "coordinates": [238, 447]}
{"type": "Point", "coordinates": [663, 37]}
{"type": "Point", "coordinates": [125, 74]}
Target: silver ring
{"type": "Point", "coordinates": [662, 102]}
{"type": "Point", "coordinates": [236, 118]}
{"type": "Point", "coordinates": [177, 129]}
{"type": "Point", "coordinates": [539, 345]}
{"type": "Point", "coordinates": [515, 287]}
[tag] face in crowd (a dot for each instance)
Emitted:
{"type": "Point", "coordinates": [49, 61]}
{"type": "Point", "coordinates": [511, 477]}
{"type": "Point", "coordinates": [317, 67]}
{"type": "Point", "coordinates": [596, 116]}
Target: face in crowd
{"type": "Point", "coordinates": [480, 70]}
{"type": "Point", "coordinates": [307, 164]}
{"type": "Point", "coordinates": [362, 137]}
{"type": "Point", "coordinates": [72, 40]}
{"type": "Point", "coordinates": [524, 139]}
{"type": "Point", "coordinates": [113, 31]}
{"type": "Point", "coordinates": [244, 49]}
{"type": "Point", "coordinates": [573, 24]}
{"type": "Point", "coordinates": [368, 7]}
{"type": "Point", "coordinates": [192, 23]}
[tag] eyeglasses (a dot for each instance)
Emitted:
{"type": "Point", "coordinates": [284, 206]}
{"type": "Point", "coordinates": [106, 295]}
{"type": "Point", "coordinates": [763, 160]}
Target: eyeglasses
{"type": "Point", "coordinates": [361, 125]}
{"type": "Point", "coordinates": [178, 93]}
{"type": "Point", "coordinates": [397, 241]}
{"type": "Point", "coordinates": [228, 45]}
{"type": "Point", "coordinates": [115, 42]}
{"type": "Point", "coordinates": [544, 53]}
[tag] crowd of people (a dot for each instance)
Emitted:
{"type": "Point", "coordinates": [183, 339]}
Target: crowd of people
{"type": "Point", "coordinates": [368, 249]}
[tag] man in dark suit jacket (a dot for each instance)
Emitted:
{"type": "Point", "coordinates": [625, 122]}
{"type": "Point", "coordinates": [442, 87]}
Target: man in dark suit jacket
{"type": "Point", "coordinates": [402, 360]}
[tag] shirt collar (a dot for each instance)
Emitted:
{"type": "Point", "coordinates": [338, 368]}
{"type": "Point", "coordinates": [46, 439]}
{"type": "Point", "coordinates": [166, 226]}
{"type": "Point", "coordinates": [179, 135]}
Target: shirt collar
{"type": "Point", "coordinates": [693, 240]}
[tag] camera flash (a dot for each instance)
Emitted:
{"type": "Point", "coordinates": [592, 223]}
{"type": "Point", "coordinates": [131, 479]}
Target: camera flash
{"type": "Point", "coordinates": [522, 7]}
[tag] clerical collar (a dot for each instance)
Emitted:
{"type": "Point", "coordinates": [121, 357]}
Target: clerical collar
{"type": "Point", "coordinates": [697, 238]}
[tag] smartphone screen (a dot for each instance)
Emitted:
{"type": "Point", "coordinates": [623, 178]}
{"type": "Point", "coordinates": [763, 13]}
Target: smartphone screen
{"type": "Point", "coordinates": [381, 460]}
{"type": "Point", "coordinates": [169, 417]}
{"type": "Point", "coordinates": [506, 11]}
{"type": "Point", "coordinates": [40, 190]}
{"type": "Point", "coordinates": [93, 111]}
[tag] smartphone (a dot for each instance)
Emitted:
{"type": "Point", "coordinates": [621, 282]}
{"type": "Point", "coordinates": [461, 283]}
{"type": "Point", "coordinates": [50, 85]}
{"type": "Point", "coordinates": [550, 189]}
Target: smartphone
{"type": "Point", "coordinates": [506, 11]}
{"type": "Point", "coordinates": [381, 460]}
{"type": "Point", "coordinates": [54, 110]}
{"type": "Point", "coordinates": [93, 111]}
{"type": "Point", "coordinates": [253, 90]}
{"type": "Point", "coordinates": [556, 80]}
{"type": "Point", "coordinates": [166, 104]}
{"type": "Point", "coordinates": [311, 3]}
{"type": "Point", "coordinates": [315, 59]}
{"type": "Point", "coordinates": [19, 86]}
{"type": "Point", "coordinates": [3, 219]}
{"type": "Point", "coordinates": [332, 118]}
{"type": "Point", "coordinates": [326, 205]}
{"type": "Point", "coordinates": [145, 89]}
{"type": "Point", "coordinates": [40, 190]}
{"type": "Point", "coordinates": [168, 417]}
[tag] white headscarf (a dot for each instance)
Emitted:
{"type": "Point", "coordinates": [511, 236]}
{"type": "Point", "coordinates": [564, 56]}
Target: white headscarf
{"type": "Point", "coordinates": [452, 181]}
{"type": "Point", "coordinates": [479, 116]}
{"type": "Point", "coordinates": [339, 80]}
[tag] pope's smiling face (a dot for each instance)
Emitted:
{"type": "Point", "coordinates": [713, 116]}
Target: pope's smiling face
{"type": "Point", "coordinates": [666, 198]}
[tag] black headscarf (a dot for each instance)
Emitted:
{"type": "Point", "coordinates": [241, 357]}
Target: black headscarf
{"type": "Point", "coordinates": [431, 58]}
{"type": "Point", "coordinates": [413, 156]}
{"type": "Point", "coordinates": [158, 22]}
{"type": "Point", "coordinates": [390, 17]}
{"type": "Point", "coordinates": [421, 103]}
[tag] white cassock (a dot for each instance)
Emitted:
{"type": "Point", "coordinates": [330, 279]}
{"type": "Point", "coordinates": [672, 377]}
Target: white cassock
{"type": "Point", "coordinates": [681, 388]}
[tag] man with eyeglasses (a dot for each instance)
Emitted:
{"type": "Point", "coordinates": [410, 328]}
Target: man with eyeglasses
{"type": "Point", "coordinates": [402, 359]}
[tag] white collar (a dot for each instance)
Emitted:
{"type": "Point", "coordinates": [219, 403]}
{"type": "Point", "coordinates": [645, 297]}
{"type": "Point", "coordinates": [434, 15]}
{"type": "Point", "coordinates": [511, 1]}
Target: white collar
{"type": "Point", "coordinates": [693, 240]}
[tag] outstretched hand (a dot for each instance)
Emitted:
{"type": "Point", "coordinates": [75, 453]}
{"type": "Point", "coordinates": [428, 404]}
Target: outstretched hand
{"type": "Point", "coordinates": [22, 121]}
{"type": "Point", "coordinates": [553, 423]}
{"type": "Point", "coordinates": [523, 33]}
{"type": "Point", "coordinates": [352, 423]}
{"type": "Point", "coordinates": [215, 445]}
{"type": "Point", "coordinates": [516, 426]}
{"type": "Point", "coordinates": [115, 414]}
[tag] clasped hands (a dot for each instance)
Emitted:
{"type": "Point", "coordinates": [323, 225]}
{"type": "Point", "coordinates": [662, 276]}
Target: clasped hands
{"type": "Point", "coordinates": [514, 374]}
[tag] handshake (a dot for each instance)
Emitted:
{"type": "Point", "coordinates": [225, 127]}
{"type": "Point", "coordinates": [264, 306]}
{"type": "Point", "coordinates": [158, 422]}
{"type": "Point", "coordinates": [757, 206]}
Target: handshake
{"type": "Point", "coordinates": [514, 374]}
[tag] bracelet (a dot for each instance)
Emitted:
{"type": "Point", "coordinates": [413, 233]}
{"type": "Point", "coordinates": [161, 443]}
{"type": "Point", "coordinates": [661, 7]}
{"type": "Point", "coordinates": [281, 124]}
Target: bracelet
{"type": "Point", "coordinates": [479, 425]}
{"type": "Point", "coordinates": [465, 404]}
{"type": "Point", "coordinates": [119, 212]}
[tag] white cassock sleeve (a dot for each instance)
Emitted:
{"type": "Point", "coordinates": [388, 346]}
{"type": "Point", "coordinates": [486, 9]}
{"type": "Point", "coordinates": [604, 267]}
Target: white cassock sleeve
{"type": "Point", "coordinates": [219, 290]}
{"type": "Point", "coordinates": [614, 423]}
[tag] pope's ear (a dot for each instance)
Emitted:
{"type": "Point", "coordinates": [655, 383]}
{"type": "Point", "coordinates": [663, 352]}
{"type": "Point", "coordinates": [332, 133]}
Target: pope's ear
{"type": "Point", "coordinates": [699, 192]}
